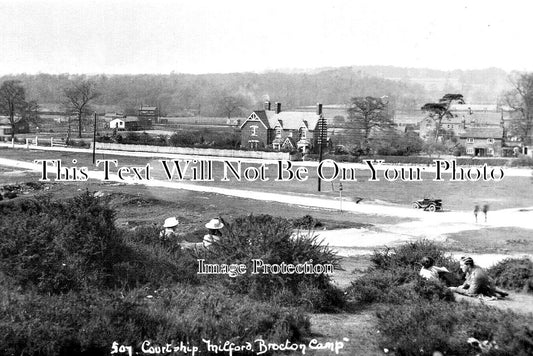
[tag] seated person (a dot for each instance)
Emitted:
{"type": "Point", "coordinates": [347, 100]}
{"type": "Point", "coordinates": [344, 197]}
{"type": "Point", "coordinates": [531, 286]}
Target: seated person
{"type": "Point", "coordinates": [477, 281]}
{"type": "Point", "coordinates": [429, 271]}
{"type": "Point", "coordinates": [170, 229]}
{"type": "Point", "coordinates": [214, 233]}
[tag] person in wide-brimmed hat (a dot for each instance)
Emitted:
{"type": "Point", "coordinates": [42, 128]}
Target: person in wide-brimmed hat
{"type": "Point", "coordinates": [170, 228]}
{"type": "Point", "coordinates": [214, 226]}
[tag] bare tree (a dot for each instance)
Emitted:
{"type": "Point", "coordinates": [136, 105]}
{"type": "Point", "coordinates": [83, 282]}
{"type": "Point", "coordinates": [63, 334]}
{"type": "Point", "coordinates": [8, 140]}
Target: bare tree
{"type": "Point", "coordinates": [442, 109]}
{"type": "Point", "coordinates": [231, 104]}
{"type": "Point", "coordinates": [520, 100]}
{"type": "Point", "coordinates": [13, 103]}
{"type": "Point", "coordinates": [77, 99]}
{"type": "Point", "coordinates": [366, 114]}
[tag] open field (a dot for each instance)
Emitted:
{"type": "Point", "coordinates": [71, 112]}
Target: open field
{"type": "Point", "coordinates": [511, 192]}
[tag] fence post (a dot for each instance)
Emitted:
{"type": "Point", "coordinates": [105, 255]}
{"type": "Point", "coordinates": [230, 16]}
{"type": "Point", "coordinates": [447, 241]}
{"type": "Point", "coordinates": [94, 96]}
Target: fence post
{"type": "Point", "coordinates": [12, 143]}
{"type": "Point", "coordinates": [36, 141]}
{"type": "Point", "coordinates": [51, 142]}
{"type": "Point", "coordinates": [27, 142]}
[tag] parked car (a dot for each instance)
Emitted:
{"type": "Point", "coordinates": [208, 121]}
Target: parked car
{"type": "Point", "coordinates": [428, 204]}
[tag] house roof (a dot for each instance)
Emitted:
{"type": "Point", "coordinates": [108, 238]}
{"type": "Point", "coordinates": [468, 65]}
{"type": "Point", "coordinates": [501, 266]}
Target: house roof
{"type": "Point", "coordinates": [293, 120]}
{"type": "Point", "coordinates": [483, 132]}
{"type": "Point", "coordinates": [148, 107]}
{"type": "Point", "coordinates": [446, 120]}
{"type": "Point", "coordinates": [288, 120]}
{"type": "Point", "coordinates": [130, 119]}
{"type": "Point", "coordinates": [4, 120]}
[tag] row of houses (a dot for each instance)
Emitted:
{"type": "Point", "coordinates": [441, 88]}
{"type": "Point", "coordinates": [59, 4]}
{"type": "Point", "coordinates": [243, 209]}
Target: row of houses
{"type": "Point", "coordinates": [481, 129]}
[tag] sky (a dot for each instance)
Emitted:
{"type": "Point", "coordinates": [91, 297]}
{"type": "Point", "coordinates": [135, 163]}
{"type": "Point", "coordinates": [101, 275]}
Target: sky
{"type": "Point", "coordinates": [224, 36]}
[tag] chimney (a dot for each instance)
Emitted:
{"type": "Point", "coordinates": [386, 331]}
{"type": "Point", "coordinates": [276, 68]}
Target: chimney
{"type": "Point", "coordinates": [267, 105]}
{"type": "Point", "coordinates": [319, 109]}
{"type": "Point", "coordinates": [278, 108]}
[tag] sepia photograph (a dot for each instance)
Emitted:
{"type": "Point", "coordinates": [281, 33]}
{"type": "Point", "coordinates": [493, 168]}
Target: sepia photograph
{"type": "Point", "coordinates": [249, 177]}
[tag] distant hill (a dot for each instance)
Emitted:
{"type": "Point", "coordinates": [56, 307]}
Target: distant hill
{"type": "Point", "coordinates": [482, 86]}
{"type": "Point", "coordinates": [204, 94]}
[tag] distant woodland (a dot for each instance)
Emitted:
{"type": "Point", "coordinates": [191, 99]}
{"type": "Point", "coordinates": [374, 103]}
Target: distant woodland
{"type": "Point", "coordinates": [210, 94]}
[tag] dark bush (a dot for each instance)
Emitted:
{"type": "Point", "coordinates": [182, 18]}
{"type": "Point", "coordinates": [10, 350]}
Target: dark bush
{"type": "Point", "coordinates": [87, 323]}
{"type": "Point", "coordinates": [521, 161]}
{"type": "Point", "coordinates": [423, 327]}
{"type": "Point", "coordinates": [395, 287]}
{"type": "Point", "coordinates": [409, 255]}
{"type": "Point", "coordinates": [514, 274]}
{"type": "Point", "coordinates": [273, 241]}
{"type": "Point", "coordinates": [59, 246]}
{"type": "Point", "coordinates": [306, 222]}
{"type": "Point", "coordinates": [394, 277]}
{"type": "Point", "coordinates": [145, 259]}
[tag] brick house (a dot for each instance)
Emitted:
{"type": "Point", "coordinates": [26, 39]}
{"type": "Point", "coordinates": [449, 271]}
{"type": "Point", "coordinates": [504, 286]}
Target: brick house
{"type": "Point", "coordinates": [148, 115]}
{"type": "Point", "coordinates": [281, 130]}
{"type": "Point", "coordinates": [457, 125]}
{"type": "Point", "coordinates": [483, 141]}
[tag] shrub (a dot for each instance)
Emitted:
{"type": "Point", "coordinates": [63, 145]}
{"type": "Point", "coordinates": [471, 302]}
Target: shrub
{"type": "Point", "coordinates": [88, 322]}
{"type": "Point", "coordinates": [521, 161]}
{"type": "Point", "coordinates": [306, 222]}
{"type": "Point", "coordinates": [514, 274]}
{"type": "Point", "coordinates": [409, 255]}
{"type": "Point", "coordinates": [59, 246]}
{"type": "Point", "coordinates": [424, 327]}
{"type": "Point", "coordinates": [145, 259]}
{"type": "Point", "coordinates": [273, 241]}
{"type": "Point", "coordinates": [393, 276]}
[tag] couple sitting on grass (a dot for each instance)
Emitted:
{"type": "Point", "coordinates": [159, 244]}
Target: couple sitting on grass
{"type": "Point", "coordinates": [170, 231]}
{"type": "Point", "coordinates": [477, 283]}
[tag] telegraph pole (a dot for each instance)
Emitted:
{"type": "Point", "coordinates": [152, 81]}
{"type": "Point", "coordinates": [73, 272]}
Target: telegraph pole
{"type": "Point", "coordinates": [94, 140]}
{"type": "Point", "coordinates": [322, 136]}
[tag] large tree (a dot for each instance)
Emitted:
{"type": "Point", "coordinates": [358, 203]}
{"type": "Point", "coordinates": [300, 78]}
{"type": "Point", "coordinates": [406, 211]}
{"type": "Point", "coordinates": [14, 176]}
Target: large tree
{"type": "Point", "coordinates": [442, 109]}
{"type": "Point", "coordinates": [232, 105]}
{"type": "Point", "coordinates": [366, 114]}
{"type": "Point", "coordinates": [520, 100]}
{"type": "Point", "coordinates": [13, 104]}
{"type": "Point", "coordinates": [78, 96]}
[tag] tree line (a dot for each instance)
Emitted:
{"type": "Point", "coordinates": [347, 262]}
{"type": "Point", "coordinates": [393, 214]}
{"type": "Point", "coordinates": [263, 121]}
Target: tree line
{"type": "Point", "coordinates": [371, 101]}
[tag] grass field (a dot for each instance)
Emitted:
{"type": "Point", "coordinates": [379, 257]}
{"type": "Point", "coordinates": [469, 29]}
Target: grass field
{"type": "Point", "coordinates": [511, 192]}
{"type": "Point", "coordinates": [493, 240]}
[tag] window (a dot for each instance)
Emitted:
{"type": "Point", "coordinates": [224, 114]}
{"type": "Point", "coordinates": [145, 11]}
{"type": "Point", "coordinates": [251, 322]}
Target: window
{"type": "Point", "coordinates": [469, 140]}
{"type": "Point", "coordinates": [278, 132]}
{"type": "Point", "coordinates": [470, 151]}
{"type": "Point", "coordinates": [490, 151]}
{"type": "Point", "coordinates": [253, 130]}
{"type": "Point", "coordinates": [303, 133]}
{"type": "Point", "coordinates": [490, 140]}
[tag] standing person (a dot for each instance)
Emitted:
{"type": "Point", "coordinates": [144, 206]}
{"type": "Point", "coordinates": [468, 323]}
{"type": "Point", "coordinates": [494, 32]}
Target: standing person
{"type": "Point", "coordinates": [476, 211]}
{"type": "Point", "coordinates": [485, 211]}
{"type": "Point", "coordinates": [477, 281]}
{"type": "Point", "coordinates": [214, 234]}
{"type": "Point", "coordinates": [170, 229]}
